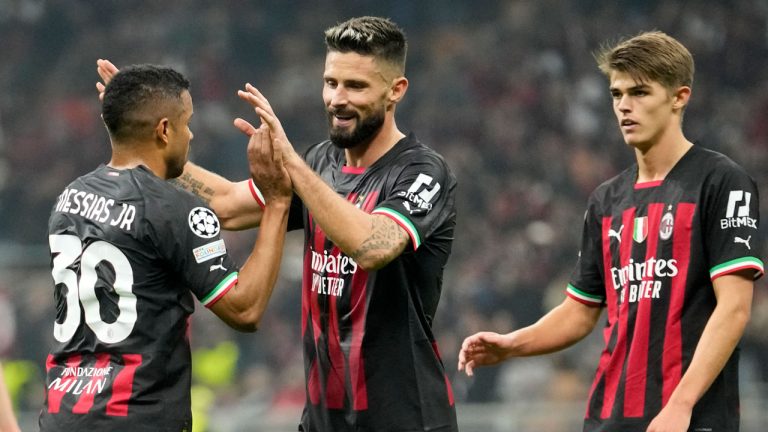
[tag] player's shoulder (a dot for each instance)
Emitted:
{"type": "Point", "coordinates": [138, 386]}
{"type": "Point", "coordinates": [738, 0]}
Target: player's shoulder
{"type": "Point", "coordinates": [616, 184]}
{"type": "Point", "coordinates": [107, 183]}
{"type": "Point", "coordinates": [612, 191]}
{"type": "Point", "coordinates": [169, 198]}
{"type": "Point", "coordinates": [714, 159]}
{"type": "Point", "coordinates": [711, 166]}
{"type": "Point", "coordinates": [412, 146]}
{"type": "Point", "coordinates": [412, 152]}
{"type": "Point", "coordinates": [88, 178]}
{"type": "Point", "coordinates": [164, 203]}
{"type": "Point", "coordinates": [172, 213]}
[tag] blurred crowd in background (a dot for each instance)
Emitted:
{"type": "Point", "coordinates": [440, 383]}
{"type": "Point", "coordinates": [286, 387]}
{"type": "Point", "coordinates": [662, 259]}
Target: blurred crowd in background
{"type": "Point", "coordinates": [506, 90]}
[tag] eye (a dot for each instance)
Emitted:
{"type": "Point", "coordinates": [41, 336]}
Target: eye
{"type": "Point", "coordinates": [330, 83]}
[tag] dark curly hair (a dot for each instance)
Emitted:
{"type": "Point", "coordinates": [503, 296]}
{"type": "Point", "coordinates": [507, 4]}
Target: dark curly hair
{"type": "Point", "coordinates": [138, 96]}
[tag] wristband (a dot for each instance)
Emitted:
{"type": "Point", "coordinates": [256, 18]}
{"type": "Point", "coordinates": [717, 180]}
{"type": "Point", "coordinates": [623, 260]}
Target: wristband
{"type": "Point", "coordinates": [256, 194]}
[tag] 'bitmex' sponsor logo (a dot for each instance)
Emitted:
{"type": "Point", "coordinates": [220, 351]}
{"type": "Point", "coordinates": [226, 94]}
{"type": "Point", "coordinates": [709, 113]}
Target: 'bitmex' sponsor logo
{"type": "Point", "coordinates": [637, 271]}
{"type": "Point", "coordinates": [737, 211]}
{"type": "Point", "coordinates": [738, 222]}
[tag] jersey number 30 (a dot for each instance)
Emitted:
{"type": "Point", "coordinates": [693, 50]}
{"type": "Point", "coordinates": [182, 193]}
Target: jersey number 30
{"type": "Point", "coordinates": [69, 248]}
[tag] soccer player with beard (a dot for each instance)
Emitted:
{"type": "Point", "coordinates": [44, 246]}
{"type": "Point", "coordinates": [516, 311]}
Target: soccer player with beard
{"type": "Point", "coordinates": [377, 209]}
{"type": "Point", "coordinates": [668, 249]}
{"type": "Point", "coordinates": [129, 250]}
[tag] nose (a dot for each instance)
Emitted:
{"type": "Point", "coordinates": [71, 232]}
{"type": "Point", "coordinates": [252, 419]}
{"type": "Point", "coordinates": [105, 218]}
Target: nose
{"type": "Point", "coordinates": [338, 97]}
{"type": "Point", "coordinates": [623, 104]}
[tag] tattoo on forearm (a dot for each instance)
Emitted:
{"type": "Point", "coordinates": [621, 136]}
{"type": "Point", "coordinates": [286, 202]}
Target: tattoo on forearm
{"type": "Point", "coordinates": [190, 184]}
{"type": "Point", "coordinates": [385, 243]}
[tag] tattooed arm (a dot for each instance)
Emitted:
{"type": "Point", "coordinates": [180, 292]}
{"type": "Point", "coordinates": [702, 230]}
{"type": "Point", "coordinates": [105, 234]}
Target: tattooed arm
{"type": "Point", "coordinates": [232, 202]}
{"type": "Point", "coordinates": [371, 240]}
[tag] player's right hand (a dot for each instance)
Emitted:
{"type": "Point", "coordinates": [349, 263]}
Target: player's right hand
{"type": "Point", "coordinates": [267, 116]}
{"type": "Point", "coordinates": [482, 349]}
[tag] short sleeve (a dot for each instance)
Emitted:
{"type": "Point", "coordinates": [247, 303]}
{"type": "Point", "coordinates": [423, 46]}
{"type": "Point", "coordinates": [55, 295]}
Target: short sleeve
{"type": "Point", "coordinates": [188, 235]}
{"type": "Point", "coordinates": [586, 284]}
{"type": "Point", "coordinates": [731, 218]}
{"type": "Point", "coordinates": [421, 198]}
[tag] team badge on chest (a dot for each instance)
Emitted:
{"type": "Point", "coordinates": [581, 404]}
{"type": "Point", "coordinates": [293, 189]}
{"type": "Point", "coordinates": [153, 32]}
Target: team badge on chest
{"type": "Point", "coordinates": [666, 226]}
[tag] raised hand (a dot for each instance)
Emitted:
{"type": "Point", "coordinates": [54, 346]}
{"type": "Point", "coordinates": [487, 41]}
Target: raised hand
{"type": "Point", "coordinates": [106, 71]}
{"type": "Point", "coordinates": [267, 115]}
{"type": "Point", "coordinates": [265, 161]}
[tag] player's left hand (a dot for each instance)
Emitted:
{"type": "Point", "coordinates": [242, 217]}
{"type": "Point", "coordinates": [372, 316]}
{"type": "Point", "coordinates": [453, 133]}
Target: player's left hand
{"type": "Point", "coordinates": [106, 71]}
{"type": "Point", "coordinates": [672, 418]}
{"type": "Point", "coordinates": [265, 161]}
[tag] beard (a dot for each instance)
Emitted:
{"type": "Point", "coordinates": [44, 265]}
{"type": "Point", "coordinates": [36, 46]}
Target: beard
{"type": "Point", "coordinates": [363, 133]}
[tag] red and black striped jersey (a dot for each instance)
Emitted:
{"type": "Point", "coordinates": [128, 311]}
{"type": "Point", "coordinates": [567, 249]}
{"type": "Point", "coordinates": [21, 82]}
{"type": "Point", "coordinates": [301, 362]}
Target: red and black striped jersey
{"type": "Point", "coordinates": [371, 360]}
{"type": "Point", "coordinates": [128, 252]}
{"type": "Point", "coordinates": [650, 253]}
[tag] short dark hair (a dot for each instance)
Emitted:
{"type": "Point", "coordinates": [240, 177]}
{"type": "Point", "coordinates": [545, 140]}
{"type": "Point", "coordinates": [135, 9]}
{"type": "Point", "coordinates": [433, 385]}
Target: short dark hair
{"type": "Point", "coordinates": [138, 96]}
{"type": "Point", "coordinates": [370, 36]}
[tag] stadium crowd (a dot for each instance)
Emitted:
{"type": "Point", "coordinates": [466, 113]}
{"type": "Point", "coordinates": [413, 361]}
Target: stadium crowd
{"type": "Point", "coordinates": [507, 90]}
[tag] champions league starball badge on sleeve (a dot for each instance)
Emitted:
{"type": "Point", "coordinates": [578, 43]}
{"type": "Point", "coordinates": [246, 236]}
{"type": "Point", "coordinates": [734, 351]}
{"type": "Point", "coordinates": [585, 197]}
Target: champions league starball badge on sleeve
{"type": "Point", "coordinates": [204, 222]}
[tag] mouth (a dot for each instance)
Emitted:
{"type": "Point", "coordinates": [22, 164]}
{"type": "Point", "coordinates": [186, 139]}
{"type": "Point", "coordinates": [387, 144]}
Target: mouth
{"type": "Point", "coordinates": [342, 119]}
{"type": "Point", "coordinates": [628, 124]}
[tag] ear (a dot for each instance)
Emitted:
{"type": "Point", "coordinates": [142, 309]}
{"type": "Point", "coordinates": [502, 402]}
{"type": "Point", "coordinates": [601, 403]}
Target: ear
{"type": "Point", "coordinates": [397, 89]}
{"type": "Point", "coordinates": [161, 130]}
{"type": "Point", "coordinates": [681, 97]}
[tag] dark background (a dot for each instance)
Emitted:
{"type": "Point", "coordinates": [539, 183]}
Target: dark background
{"type": "Point", "coordinates": [507, 91]}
